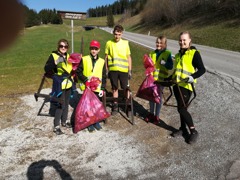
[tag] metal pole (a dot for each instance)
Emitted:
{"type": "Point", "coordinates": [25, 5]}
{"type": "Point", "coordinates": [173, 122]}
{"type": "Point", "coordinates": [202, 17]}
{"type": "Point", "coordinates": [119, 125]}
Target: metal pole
{"type": "Point", "coordinates": [72, 35]}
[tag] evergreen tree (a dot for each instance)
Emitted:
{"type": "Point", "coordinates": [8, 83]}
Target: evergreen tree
{"type": "Point", "coordinates": [56, 18]}
{"type": "Point", "coordinates": [110, 18]}
{"type": "Point", "coordinates": [31, 17]}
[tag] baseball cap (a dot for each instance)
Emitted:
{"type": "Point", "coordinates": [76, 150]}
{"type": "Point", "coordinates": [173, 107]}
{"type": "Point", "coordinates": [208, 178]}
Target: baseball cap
{"type": "Point", "coordinates": [95, 43]}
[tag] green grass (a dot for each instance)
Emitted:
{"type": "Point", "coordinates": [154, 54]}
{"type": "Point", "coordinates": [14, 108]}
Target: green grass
{"type": "Point", "coordinates": [94, 21]}
{"type": "Point", "coordinates": [22, 64]}
{"type": "Point", "coordinates": [219, 34]}
{"type": "Point", "coordinates": [216, 35]}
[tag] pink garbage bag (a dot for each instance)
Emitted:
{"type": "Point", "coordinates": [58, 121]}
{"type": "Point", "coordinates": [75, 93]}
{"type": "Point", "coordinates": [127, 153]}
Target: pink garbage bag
{"type": "Point", "coordinates": [94, 83]}
{"type": "Point", "coordinates": [148, 64]}
{"type": "Point", "coordinates": [149, 90]}
{"type": "Point", "coordinates": [89, 111]}
{"type": "Point", "coordinates": [147, 61]}
{"type": "Point", "coordinates": [75, 59]}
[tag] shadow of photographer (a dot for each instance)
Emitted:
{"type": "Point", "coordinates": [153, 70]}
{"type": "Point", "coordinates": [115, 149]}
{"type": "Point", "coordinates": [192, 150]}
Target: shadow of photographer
{"type": "Point", "coordinates": [35, 170]}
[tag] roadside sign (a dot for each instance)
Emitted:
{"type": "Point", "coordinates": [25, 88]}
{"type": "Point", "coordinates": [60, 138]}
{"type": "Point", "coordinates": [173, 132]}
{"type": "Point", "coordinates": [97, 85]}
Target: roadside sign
{"type": "Point", "coordinates": [72, 16]}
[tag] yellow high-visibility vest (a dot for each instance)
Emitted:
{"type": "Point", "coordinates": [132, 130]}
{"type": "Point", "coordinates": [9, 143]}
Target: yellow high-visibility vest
{"type": "Point", "coordinates": [66, 83]}
{"type": "Point", "coordinates": [160, 71]}
{"type": "Point", "coordinates": [90, 71]}
{"type": "Point", "coordinates": [118, 53]}
{"type": "Point", "coordinates": [183, 68]}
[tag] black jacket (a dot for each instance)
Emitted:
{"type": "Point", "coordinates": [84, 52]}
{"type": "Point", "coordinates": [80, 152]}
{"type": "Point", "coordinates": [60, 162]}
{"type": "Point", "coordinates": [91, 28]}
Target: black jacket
{"type": "Point", "coordinates": [196, 62]}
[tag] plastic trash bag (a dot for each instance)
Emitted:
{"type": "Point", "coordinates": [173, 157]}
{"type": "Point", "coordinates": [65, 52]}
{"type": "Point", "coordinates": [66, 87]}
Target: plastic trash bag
{"type": "Point", "coordinates": [149, 90]}
{"type": "Point", "coordinates": [94, 83]}
{"type": "Point", "coordinates": [75, 59]}
{"type": "Point", "coordinates": [89, 111]}
{"type": "Point", "coordinates": [148, 64]}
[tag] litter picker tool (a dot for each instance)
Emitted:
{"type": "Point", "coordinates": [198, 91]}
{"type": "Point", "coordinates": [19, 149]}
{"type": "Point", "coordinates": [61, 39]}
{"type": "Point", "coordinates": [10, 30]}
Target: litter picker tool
{"type": "Point", "coordinates": [171, 83]}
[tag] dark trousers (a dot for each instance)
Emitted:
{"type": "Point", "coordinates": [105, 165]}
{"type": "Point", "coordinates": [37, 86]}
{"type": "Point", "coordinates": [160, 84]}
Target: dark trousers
{"type": "Point", "coordinates": [185, 116]}
{"type": "Point", "coordinates": [61, 113]}
{"type": "Point", "coordinates": [73, 103]}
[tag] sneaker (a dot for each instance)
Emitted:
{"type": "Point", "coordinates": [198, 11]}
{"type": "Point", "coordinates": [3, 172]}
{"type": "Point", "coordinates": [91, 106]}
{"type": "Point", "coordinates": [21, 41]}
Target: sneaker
{"type": "Point", "coordinates": [91, 128]}
{"type": "Point", "coordinates": [67, 125]}
{"type": "Point", "coordinates": [180, 132]}
{"type": "Point", "coordinates": [97, 126]}
{"type": "Point", "coordinates": [193, 137]}
{"type": "Point", "coordinates": [57, 131]}
{"type": "Point", "coordinates": [114, 109]}
{"type": "Point", "coordinates": [149, 117]}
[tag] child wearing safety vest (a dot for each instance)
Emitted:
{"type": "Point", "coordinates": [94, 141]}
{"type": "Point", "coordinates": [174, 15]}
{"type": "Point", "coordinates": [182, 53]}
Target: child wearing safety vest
{"type": "Point", "coordinates": [163, 62]}
{"type": "Point", "coordinates": [188, 67]}
{"type": "Point", "coordinates": [58, 66]}
{"type": "Point", "coordinates": [119, 65]}
{"type": "Point", "coordinates": [92, 66]}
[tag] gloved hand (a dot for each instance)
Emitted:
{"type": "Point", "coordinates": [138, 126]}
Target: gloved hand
{"type": "Point", "coordinates": [190, 79]}
{"type": "Point", "coordinates": [59, 60]}
{"type": "Point", "coordinates": [163, 62]}
{"type": "Point", "coordinates": [101, 93]}
{"type": "Point", "coordinates": [129, 74]}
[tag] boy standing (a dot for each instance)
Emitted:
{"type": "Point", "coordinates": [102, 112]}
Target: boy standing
{"type": "Point", "coordinates": [92, 66]}
{"type": "Point", "coordinates": [118, 64]}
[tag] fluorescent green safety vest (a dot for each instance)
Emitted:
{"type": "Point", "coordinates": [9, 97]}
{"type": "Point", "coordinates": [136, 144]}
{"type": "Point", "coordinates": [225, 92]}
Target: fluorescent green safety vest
{"type": "Point", "coordinates": [160, 71]}
{"type": "Point", "coordinates": [61, 68]}
{"type": "Point", "coordinates": [90, 71]}
{"type": "Point", "coordinates": [183, 68]}
{"type": "Point", "coordinates": [118, 55]}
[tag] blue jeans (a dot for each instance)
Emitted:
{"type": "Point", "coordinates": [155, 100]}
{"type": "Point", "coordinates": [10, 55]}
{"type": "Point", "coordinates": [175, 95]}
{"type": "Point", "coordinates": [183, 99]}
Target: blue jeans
{"type": "Point", "coordinates": [154, 107]}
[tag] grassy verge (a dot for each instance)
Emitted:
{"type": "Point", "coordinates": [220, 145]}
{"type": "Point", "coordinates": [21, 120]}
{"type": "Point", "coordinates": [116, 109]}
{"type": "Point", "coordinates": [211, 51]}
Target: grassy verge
{"type": "Point", "coordinates": [94, 21]}
{"type": "Point", "coordinates": [220, 34]}
{"type": "Point", "coordinates": [23, 63]}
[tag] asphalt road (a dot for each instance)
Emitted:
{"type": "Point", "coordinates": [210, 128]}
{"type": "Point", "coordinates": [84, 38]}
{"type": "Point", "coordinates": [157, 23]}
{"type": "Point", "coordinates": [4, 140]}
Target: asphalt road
{"type": "Point", "coordinates": [217, 60]}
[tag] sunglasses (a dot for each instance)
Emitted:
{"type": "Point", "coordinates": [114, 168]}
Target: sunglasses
{"type": "Point", "coordinates": [62, 46]}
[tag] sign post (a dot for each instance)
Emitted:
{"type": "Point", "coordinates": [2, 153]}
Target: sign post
{"type": "Point", "coordinates": [72, 16]}
{"type": "Point", "coordinates": [72, 35]}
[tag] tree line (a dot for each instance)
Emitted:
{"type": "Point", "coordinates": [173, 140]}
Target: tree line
{"type": "Point", "coordinates": [157, 12]}
{"type": "Point", "coordinates": [126, 7]}
{"type": "Point", "coordinates": [118, 7]}
{"type": "Point", "coordinates": [45, 16]}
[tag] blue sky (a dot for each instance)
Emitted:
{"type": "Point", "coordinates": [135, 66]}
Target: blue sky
{"type": "Point", "coordinates": [67, 5]}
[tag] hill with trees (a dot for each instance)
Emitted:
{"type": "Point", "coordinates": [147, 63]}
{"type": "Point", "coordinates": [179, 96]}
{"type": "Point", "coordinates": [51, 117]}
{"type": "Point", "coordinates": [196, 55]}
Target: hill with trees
{"type": "Point", "coordinates": [157, 12]}
{"type": "Point", "coordinates": [206, 19]}
{"type": "Point", "coordinates": [45, 16]}
{"type": "Point", "coordinates": [171, 12]}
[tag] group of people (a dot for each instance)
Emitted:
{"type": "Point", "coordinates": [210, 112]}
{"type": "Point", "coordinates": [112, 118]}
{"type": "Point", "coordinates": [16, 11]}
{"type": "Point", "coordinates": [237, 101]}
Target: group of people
{"type": "Point", "coordinates": [187, 67]}
{"type": "Point", "coordinates": [117, 66]}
